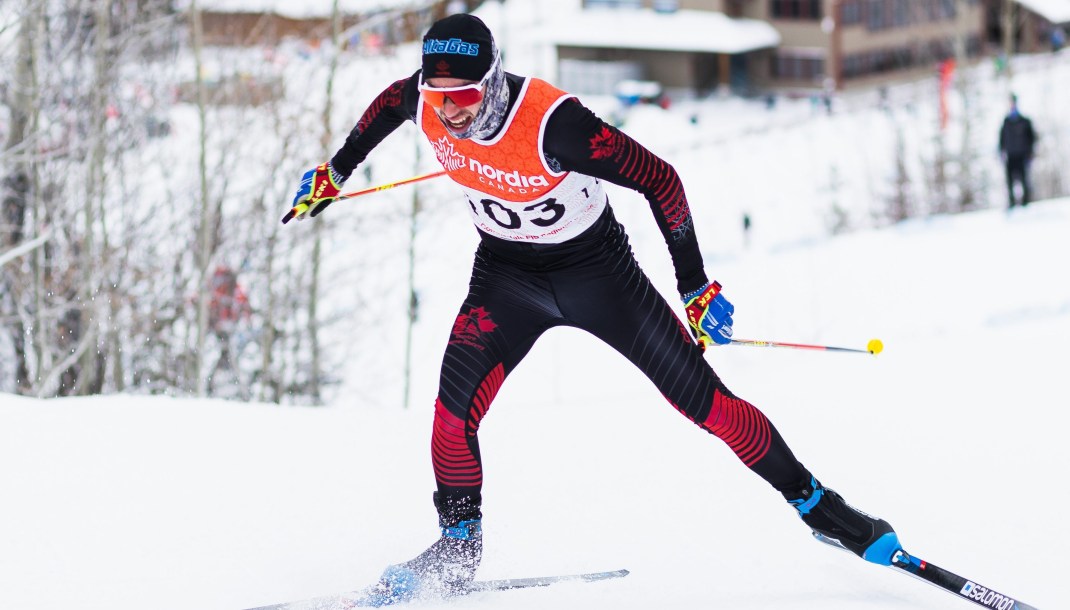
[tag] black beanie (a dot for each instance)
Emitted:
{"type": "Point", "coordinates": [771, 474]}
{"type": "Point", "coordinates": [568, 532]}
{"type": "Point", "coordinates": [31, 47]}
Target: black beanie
{"type": "Point", "coordinates": [459, 46]}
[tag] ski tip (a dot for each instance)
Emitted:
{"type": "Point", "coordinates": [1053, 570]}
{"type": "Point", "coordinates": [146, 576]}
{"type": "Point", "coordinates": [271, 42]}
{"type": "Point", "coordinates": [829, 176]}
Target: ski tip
{"type": "Point", "coordinates": [621, 573]}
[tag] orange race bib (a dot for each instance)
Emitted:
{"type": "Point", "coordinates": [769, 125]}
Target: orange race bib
{"type": "Point", "coordinates": [512, 192]}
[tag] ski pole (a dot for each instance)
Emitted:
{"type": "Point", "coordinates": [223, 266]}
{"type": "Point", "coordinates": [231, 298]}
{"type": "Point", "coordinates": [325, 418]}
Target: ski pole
{"type": "Point", "coordinates": [873, 347]}
{"type": "Point", "coordinates": [301, 208]}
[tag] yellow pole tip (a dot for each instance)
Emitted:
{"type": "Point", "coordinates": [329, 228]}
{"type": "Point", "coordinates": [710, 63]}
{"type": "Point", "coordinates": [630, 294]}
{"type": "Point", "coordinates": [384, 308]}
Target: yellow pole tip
{"type": "Point", "coordinates": [875, 346]}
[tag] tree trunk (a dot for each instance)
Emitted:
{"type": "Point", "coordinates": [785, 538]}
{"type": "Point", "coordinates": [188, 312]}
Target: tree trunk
{"type": "Point", "coordinates": [16, 183]}
{"type": "Point", "coordinates": [1008, 22]}
{"type": "Point", "coordinates": [967, 174]}
{"type": "Point", "coordinates": [89, 381]}
{"type": "Point", "coordinates": [413, 301]}
{"type": "Point", "coordinates": [314, 286]}
{"type": "Point", "coordinates": [204, 251]}
{"type": "Point", "coordinates": [15, 186]}
{"type": "Point", "coordinates": [267, 337]}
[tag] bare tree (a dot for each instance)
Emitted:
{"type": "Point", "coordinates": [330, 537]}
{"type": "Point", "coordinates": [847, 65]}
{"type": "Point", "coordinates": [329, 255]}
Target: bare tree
{"type": "Point", "coordinates": [20, 100]}
{"type": "Point", "coordinates": [900, 204]}
{"type": "Point", "coordinates": [112, 226]}
{"type": "Point", "coordinates": [63, 155]}
{"type": "Point", "coordinates": [317, 246]}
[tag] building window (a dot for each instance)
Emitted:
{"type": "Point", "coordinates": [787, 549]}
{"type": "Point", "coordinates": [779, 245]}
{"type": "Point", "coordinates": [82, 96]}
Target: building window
{"type": "Point", "coordinates": [851, 12]}
{"type": "Point", "coordinates": [795, 67]}
{"type": "Point", "coordinates": [876, 17]}
{"type": "Point", "coordinates": [941, 49]}
{"type": "Point", "coordinates": [901, 13]}
{"type": "Point", "coordinates": [916, 54]}
{"type": "Point", "coordinates": [887, 14]}
{"type": "Point", "coordinates": [809, 10]}
{"type": "Point", "coordinates": [852, 66]}
{"type": "Point", "coordinates": [931, 9]}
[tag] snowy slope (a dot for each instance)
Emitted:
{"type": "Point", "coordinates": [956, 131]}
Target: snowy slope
{"type": "Point", "coordinates": [954, 434]}
{"type": "Point", "coordinates": [788, 169]}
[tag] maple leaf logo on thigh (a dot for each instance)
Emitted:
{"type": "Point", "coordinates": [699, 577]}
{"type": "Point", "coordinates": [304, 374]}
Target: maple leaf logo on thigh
{"type": "Point", "coordinates": [472, 327]}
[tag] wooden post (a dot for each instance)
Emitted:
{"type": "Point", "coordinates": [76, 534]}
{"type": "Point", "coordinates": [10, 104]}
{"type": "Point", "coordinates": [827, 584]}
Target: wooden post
{"type": "Point", "coordinates": [724, 73]}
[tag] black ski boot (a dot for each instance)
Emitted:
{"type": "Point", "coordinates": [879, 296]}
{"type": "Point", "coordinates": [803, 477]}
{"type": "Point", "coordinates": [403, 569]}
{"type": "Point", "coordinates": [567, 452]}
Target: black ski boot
{"type": "Point", "coordinates": [447, 566]}
{"type": "Point", "coordinates": [831, 518]}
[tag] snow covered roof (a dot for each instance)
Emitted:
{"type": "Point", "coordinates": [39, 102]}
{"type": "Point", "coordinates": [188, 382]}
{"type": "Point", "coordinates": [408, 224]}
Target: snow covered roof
{"type": "Point", "coordinates": [682, 30]}
{"type": "Point", "coordinates": [305, 9]}
{"type": "Point", "coordinates": [1055, 11]}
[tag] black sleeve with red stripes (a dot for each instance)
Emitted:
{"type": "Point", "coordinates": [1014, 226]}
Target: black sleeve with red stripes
{"type": "Point", "coordinates": [395, 105]}
{"type": "Point", "coordinates": [581, 142]}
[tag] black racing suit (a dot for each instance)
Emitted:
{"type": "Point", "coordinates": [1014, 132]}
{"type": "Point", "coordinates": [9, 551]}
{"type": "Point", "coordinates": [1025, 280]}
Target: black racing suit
{"type": "Point", "coordinates": [519, 290]}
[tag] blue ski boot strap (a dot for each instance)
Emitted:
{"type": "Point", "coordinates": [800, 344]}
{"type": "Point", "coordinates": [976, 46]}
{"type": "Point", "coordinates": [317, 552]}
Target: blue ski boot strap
{"type": "Point", "coordinates": [465, 530]}
{"type": "Point", "coordinates": [805, 505]}
{"type": "Point", "coordinates": [883, 549]}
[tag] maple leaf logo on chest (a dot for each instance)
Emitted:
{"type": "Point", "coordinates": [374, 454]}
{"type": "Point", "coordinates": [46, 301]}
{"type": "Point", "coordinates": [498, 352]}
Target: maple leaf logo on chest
{"type": "Point", "coordinates": [449, 158]}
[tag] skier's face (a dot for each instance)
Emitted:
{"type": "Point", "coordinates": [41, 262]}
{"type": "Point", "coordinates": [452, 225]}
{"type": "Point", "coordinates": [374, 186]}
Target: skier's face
{"type": "Point", "coordinates": [456, 101]}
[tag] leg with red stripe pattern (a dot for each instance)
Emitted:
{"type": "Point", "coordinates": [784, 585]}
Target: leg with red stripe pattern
{"type": "Point", "coordinates": [493, 331]}
{"type": "Point", "coordinates": [757, 443]}
{"type": "Point", "coordinates": [643, 327]}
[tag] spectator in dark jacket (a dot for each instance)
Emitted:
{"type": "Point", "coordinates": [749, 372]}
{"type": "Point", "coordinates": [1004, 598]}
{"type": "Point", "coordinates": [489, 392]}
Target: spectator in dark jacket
{"type": "Point", "coordinates": [1016, 143]}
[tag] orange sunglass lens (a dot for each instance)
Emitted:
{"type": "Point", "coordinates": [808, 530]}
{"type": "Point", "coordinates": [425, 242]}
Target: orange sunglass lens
{"type": "Point", "coordinates": [435, 98]}
{"type": "Point", "coordinates": [467, 97]}
{"type": "Point", "coordinates": [461, 97]}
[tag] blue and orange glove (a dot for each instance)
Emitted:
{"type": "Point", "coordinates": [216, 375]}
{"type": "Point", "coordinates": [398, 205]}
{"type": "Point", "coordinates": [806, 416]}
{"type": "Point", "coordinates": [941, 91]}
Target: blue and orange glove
{"type": "Point", "coordinates": [710, 315]}
{"type": "Point", "coordinates": [319, 186]}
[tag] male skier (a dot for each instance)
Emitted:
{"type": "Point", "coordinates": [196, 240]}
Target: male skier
{"type": "Point", "coordinates": [530, 161]}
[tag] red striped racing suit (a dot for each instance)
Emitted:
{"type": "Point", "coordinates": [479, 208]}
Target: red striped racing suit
{"type": "Point", "coordinates": [552, 254]}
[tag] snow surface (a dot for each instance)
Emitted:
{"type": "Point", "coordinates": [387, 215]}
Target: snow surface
{"type": "Point", "coordinates": [682, 30]}
{"type": "Point", "coordinates": [1055, 11]}
{"type": "Point", "coordinates": [954, 434]}
{"type": "Point", "coordinates": [304, 9]}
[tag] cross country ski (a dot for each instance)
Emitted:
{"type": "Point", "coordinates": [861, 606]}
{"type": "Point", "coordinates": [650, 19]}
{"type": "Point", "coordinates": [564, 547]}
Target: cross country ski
{"type": "Point", "coordinates": [375, 596]}
{"type": "Point", "coordinates": [946, 580]}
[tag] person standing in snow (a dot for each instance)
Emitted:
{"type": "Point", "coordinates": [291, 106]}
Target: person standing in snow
{"type": "Point", "coordinates": [530, 161]}
{"type": "Point", "coordinates": [1017, 141]}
